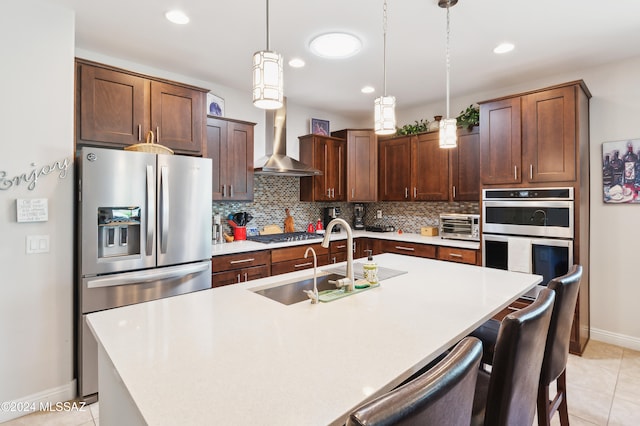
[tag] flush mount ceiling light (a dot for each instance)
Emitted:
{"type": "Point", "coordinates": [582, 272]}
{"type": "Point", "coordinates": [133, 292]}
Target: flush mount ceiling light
{"type": "Point", "coordinates": [503, 48]}
{"type": "Point", "coordinates": [335, 45]}
{"type": "Point", "coordinates": [268, 91]}
{"type": "Point", "coordinates": [384, 107]}
{"type": "Point", "coordinates": [177, 17]}
{"type": "Point", "coordinates": [448, 126]}
{"type": "Point", "coordinates": [367, 89]}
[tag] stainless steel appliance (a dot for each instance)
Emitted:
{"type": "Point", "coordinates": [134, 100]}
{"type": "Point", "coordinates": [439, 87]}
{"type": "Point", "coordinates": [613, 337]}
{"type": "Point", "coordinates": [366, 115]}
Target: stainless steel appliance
{"type": "Point", "coordinates": [144, 226]}
{"type": "Point", "coordinates": [358, 216]}
{"type": "Point", "coordinates": [330, 213]}
{"type": "Point", "coordinates": [528, 230]}
{"type": "Point", "coordinates": [458, 226]}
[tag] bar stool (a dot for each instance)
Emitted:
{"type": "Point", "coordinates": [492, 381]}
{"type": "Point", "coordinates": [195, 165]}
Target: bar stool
{"type": "Point", "coordinates": [441, 396]}
{"type": "Point", "coordinates": [507, 395]}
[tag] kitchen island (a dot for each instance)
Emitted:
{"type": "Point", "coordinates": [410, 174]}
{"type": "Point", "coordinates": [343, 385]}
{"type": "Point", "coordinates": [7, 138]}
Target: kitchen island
{"type": "Point", "coordinates": [231, 356]}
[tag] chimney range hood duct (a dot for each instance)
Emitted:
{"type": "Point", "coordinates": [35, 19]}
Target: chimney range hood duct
{"type": "Point", "coordinates": [276, 162]}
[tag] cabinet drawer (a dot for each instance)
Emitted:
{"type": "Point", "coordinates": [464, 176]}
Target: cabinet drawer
{"type": "Point", "coordinates": [240, 260]}
{"type": "Point", "coordinates": [239, 275]}
{"type": "Point", "coordinates": [297, 264]}
{"type": "Point", "coordinates": [457, 255]}
{"type": "Point", "coordinates": [411, 249]}
{"type": "Point", "coordinates": [515, 306]}
{"type": "Point", "coordinates": [338, 257]}
{"type": "Point", "coordinates": [338, 246]}
{"type": "Point", "coordinates": [296, 252]}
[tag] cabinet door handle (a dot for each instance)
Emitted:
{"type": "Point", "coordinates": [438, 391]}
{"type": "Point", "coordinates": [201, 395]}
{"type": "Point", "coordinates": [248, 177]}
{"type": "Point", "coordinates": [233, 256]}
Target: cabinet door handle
{"type": "Point", "coordinates": [353, 192]}
{"type": "Point", "coordinates": [246, 277]}
{"type": "Point", "coordinates": [328, 192]}
{"type": "Point", "coordinates": [333, 260]}
{"type": "Point", "coordinates": [233, 262]}
{"type": "Point", "coordinates": [333, 193]}
{"type": "Point", "coordinates": [406, 192]}
{"type": "Point", "coordinates": [139, 132]}
{"type": "Point", "coordinates": [454, 191]}
{"type": "Point", "coordinates": [530, 171]}
{"type": "Point", "coordinates": [230, 190]}
{"type": "Point", "coordinates": [515, 172]}
{"type": "Point", "coordinates": [458, 255]}
{"type": "Point", "coordinates": [158, 134]}
{"type": "Point", "coordinates": [238, 278]}
{"type": "Point", "coordinates": [224, 191]}
{"type": "Point", "coordinates": [354, 247]}
{"type": "Point", "coordinates": [342, 246]}
{"type": "Point", "coordinates": [302, 265]}
{"type": "Point", "coordinates": [405, 248]}
{"type": "Point", "coordinates": [415, 192]}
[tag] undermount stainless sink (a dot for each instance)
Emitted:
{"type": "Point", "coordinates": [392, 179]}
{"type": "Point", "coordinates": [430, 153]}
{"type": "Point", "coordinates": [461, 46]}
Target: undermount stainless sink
{"type": "Point", "coordinates": [293, 292]}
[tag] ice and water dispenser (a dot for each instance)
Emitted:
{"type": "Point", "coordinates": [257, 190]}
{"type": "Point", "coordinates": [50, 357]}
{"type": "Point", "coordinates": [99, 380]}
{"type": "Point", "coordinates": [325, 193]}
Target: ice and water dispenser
{"type": "Point", "coordinates": [118, 231]}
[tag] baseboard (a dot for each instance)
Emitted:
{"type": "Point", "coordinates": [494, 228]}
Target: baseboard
{"type": "Point", "coordinates": [616, 339]}
{"type": "Point", "coordinates": [23, 406]}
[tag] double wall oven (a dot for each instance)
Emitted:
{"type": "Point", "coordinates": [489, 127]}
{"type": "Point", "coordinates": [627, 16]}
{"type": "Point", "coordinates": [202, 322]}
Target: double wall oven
{"type": "Point", "coordinates": [528, 230]}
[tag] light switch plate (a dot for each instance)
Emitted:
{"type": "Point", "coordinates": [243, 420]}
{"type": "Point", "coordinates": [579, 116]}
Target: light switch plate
{"type": "Point", "coordinates": [37, 244]}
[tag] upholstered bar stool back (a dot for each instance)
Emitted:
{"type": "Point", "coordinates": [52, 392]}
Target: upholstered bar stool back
{"type": "Point", "coordinates": [441, 396]}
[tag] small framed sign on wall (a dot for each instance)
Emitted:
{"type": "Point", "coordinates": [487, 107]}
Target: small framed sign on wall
{"type": "Point", "coordinates": [621, 171]}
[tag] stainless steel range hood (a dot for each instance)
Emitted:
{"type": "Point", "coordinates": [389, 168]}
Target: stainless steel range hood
{"type": "Point", "coordinates": [276, 161]}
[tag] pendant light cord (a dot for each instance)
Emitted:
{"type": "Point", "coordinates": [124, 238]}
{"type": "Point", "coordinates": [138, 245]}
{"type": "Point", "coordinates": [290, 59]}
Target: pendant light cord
{"type": "Point", "coordinates": [268, 38]}
{"type": "Point", "coordinates": [384, 46]}
{"type": "Point", "coordinates": [448, 62]}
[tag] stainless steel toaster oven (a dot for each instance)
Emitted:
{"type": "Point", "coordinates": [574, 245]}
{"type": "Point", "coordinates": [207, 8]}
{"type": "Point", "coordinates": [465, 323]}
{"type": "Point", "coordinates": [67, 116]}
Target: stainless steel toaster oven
{"type": "Point", "coordinates": [457, 226]}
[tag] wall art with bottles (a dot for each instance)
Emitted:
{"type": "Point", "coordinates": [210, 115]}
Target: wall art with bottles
{"type": "Point", "coordinates": [621, 171]}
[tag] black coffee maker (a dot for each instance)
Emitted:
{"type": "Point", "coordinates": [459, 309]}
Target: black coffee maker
{"type": "Point", "coordinates": [358, 216]}
{"type": "Point", "coordinates": [330, 213]}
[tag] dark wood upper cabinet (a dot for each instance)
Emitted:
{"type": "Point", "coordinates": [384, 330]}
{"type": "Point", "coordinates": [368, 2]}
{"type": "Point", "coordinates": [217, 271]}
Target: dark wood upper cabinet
{"type": "Point", "coordinates": [327, 154]}
{"type": "Point", "coordinates": [394, 168]}
{"type": "Point", "coordinates": [531, 138]}
{"type": "Point", "coordinates": [117, 108]}
{"type": "Point", "coordinates": [549, 135]}
{"type": "Point", "coordinates": [501, 142]}
{"type": "Point", "coordinates": [362, 164]}
{"type": "Point", "coordinates": [429, 168]}
{"type": "Point", "coordinates": [177, 116]}
{"type": "Point", "coordinates": [229, 144]}
{"type": "Point", "coordinates": [464, 166]}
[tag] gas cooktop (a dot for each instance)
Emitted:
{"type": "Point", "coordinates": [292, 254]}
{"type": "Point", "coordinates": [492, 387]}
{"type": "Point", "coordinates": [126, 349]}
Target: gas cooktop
{"type": "Point", "coordinates": [284, 237]}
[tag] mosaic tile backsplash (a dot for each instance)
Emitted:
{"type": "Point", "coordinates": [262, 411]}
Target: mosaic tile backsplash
{"type": "Point", "coordinates": [274, 194]}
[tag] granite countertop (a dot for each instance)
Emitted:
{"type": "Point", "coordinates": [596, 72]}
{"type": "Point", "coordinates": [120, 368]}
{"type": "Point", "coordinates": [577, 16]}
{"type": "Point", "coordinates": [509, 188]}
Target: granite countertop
{"type": "Point", "coordinates": [245, 246]}
{"type": "Point", "coordinates": [231, 356]}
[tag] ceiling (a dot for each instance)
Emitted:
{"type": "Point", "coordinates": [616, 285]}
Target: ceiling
{"type": "Point", "coordinates": [551, 37]}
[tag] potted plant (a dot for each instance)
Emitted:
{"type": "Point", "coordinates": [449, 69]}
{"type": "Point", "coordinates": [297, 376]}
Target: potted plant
{"type": "Point", "coordinates": [469, 117]}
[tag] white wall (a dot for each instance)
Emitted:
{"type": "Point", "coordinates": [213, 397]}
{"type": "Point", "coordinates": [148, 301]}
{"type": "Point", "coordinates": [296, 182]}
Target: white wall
{"type": "Point", "coordinates": [36, 113]}
{"type": "Point", "coordinates": [615, 229]}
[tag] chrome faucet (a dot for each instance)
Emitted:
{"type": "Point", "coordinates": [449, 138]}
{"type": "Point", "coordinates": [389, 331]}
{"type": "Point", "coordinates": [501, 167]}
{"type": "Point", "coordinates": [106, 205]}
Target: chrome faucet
{"type": "Point", "coordinates": [313, 295]}
{"type": "Point", "coordinates": [348, 282]}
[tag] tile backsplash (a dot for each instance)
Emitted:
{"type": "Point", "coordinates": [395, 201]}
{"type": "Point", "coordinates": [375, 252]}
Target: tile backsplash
{"type": "Point", "coordinates": [273, 194]}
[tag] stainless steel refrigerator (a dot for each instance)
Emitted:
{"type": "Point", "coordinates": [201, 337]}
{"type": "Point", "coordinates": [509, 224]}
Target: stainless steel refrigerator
{"type": "Point", "coordinates": [144, 233]}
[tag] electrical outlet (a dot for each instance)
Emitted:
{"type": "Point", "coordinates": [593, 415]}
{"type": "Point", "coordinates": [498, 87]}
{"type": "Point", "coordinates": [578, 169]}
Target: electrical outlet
{"type": "Point", "coordinates": [379, 214]}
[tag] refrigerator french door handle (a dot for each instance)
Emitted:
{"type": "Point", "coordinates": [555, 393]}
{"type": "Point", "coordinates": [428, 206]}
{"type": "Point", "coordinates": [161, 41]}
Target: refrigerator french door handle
{"type": "Point", "coordinates": [164, 214]}
{"type": "Point", "coordinates": [148, 276]}
{"type": "Point", "coordinates": [151, 209]}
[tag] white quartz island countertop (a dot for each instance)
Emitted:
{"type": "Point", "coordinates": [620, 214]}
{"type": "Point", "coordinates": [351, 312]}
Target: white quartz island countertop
{"type": "Point", "coordinates": [229, 356]}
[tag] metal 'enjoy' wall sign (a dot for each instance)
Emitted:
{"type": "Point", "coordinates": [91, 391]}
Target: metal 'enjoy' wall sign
{"type": "Point", "coordinates": [31, 178]}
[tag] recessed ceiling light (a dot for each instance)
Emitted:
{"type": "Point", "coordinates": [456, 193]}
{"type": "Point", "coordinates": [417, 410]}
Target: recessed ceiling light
{"type": "Point", "coordinates": [177, 17]}
{"type": "Point", "coordinates": [503, 48]}
{"type": "Point", "coordinates": [367, 89]}
{"type": "Point", "coordinates": [335, 45]}
{"type": "Point", "coordinates": [296, 63]}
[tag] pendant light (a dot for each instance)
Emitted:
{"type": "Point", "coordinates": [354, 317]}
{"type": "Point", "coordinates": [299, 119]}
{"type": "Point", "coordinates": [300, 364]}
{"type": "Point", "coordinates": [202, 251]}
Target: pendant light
{"type": "Point", "coordinates": [385, 106]}
{"type": "Point", "coordinates": [267, 76]}
{"type": "Point", "coordinates": [448, 126]}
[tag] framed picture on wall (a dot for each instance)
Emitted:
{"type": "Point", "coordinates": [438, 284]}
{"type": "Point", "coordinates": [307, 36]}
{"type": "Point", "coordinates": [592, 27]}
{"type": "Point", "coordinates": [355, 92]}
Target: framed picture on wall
{"type": "Point", "coordinates": [319, 127]}
{"type": "Point", "coordinates": [215, 105]}
{"type": "Point", "coordinates": [621, 171]}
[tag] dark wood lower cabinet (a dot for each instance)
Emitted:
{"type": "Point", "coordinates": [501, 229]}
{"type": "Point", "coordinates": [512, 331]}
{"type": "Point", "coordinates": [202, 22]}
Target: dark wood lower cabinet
{"type": "Point", "coordinates": [241, 267]}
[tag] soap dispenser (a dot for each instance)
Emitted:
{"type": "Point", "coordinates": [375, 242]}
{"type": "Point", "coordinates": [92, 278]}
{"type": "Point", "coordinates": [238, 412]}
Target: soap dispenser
{"type": "Point", "coordinates": [370, 269]}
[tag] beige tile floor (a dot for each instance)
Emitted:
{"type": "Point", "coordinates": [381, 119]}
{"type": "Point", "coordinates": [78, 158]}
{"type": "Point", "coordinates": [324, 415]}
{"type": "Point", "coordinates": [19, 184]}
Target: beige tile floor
{"type": "Point", "coordinates": [603, 389]}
